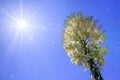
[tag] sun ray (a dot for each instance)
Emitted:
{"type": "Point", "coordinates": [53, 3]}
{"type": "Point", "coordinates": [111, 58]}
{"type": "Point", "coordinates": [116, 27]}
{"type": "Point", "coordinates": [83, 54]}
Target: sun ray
{"type": "Point", "coordinates": [9, 15]}
{"type": "Point", "coordinates": [28, 34]}
{"type": "Point", "coordinates": [12, 42]}
{"type": "Point", "coordinates": [21, 9]}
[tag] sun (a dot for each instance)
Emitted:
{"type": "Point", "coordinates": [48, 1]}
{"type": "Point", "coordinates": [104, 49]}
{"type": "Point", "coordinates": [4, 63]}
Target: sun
{"type": "Point", "coordinates": [21, 24]}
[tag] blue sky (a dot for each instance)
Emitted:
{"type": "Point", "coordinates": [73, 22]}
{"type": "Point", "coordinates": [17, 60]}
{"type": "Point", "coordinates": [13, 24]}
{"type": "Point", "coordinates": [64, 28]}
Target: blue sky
{"type": "Point", "coordinates": [40, 56]}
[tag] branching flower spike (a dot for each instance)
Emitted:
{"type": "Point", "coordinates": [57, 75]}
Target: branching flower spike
{"type": "Point", "coordinates": [83, 42]}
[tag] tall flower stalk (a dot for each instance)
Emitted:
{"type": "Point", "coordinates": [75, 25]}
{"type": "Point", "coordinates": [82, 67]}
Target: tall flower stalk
{"type": "Point", "coordinates": [83, 42]}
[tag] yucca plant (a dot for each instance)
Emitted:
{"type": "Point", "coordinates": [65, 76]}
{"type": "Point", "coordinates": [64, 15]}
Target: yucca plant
{"type": "Point", "coordinates": [83, 42]}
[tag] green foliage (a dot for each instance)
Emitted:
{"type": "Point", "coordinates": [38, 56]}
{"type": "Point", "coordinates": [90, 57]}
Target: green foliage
{"type": "Point", "coordinates": [83, 40]}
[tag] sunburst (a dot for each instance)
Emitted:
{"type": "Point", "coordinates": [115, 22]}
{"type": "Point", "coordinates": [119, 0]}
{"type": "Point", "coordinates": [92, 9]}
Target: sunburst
{"type": "Point", "coordinates": [21, 25]}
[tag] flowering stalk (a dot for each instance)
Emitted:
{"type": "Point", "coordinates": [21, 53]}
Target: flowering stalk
{"type": "Point", "coordinates": [83, 42]}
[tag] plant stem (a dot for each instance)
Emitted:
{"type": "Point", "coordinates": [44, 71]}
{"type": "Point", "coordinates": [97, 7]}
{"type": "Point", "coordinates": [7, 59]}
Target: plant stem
{"type": "Point", "coordinates": [93, 66]}
{"type": "Point", "coordinates": [95, 70]}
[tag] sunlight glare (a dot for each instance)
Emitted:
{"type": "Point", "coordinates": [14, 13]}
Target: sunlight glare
{"type": "Point", "coordinates": [22, 24]}
{"type": "Point", "coordinates": [21, 27]}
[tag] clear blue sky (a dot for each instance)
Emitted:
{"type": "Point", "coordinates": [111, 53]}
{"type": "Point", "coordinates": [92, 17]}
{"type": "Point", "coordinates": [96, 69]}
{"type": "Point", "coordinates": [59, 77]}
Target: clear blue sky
{"type": "Point", "coordinates": [43, 56]}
